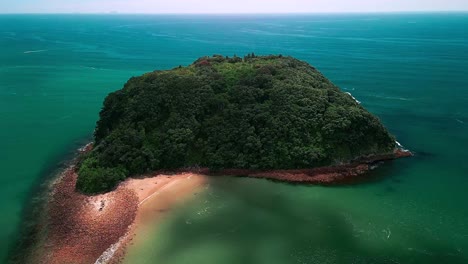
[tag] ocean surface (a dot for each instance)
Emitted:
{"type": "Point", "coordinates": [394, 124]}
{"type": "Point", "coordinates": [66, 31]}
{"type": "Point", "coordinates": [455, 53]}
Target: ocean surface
{"type": "Point", "coordinates": [411, 70]}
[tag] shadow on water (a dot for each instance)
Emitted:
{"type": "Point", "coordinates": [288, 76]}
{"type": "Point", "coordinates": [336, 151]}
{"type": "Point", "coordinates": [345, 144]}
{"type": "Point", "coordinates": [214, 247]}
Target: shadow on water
{"type": "Point", "coordinates": [30, 229]}
{"type": "Point", "coordinates": [261, 226]}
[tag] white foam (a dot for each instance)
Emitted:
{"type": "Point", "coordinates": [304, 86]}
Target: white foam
{"type": "Point", "coordinates": [393, 98]}
{"type": "Point", "coordinates": [85, 147]}
{"type": "Point", "coordinates": [353, 97]}
{"type": "Point", "coordinates": [387, 232]}
{"type": "Point", "coordinates": [108, 254]}
{"type": "Point", "coordinates": [88, 67]}
{"type": "Point", "coordinates": [33, 51]}
{"type": "Point", "coordinates": [401, 146]}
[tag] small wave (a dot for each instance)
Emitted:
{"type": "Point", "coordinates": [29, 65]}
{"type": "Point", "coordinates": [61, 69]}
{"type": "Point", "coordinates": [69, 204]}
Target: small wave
{"type": "Point", "coordinates": [161, 35]}
{"type": "Point", "coordinates": [387, 232]}
{"type": "Point", "coordinates": [203, 211]}
{"type": "Point", "coordinates": [393, 98]}
{"type": "Point", "coordinates": [370, 19]}
{"type": "Point", "coordinates": [398, 98]}
{"type": "Point", "coordinates": [88, 67]}
{"type": "Point", "coordinates": [459, 121]}
{"type": "Point", "coordinates": [64, 117]}
{"type": "Point", "coordinates": [33, 51]}
{"type": "Point", "coordinates": [271, 33]}
{"type": "Point", "coordinates": [85, 147]}
{"type": "Point", "coordinates": [353, 97]}
{"type": "Point", "coordinates": [400, 146]}
{"type": "Point", "coordinates": [108, 254]}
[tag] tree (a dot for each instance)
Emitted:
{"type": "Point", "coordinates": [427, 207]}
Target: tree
{"type": "Point", "coordinates": [270, 112]}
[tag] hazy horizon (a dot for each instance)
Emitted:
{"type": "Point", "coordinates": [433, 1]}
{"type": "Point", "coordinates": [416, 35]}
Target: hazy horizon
{"type": "Point", "coordinates": [237, 13]}
{"type": "Point", "coordinates": [237, 7]}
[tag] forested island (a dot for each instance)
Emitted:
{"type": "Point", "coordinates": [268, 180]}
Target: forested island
{"type": "Point", "coordinates": [270, 117]}
{"type": "Point", "coordinates": [251, 113]}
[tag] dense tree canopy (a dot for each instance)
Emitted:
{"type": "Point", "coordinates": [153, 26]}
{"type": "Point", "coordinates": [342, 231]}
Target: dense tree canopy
{"type": "Point", "coordinates": [270, 112]}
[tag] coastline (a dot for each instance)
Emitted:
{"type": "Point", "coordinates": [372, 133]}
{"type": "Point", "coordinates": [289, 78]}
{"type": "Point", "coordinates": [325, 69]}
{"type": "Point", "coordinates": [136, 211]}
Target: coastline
{"type": "Point", "coordinates": [81, 227]}
{"type": "Point", "coordinates": [155, 207]}
{"type": "Point", "coordinates": [98, 229]}
{"type": "Point", "coordinates": [326, 175]}
{"type": "Point", "coordinates": [157, 195]}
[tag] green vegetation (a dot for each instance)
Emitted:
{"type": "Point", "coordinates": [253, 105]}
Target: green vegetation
{"type": "Point", "coordinates": [269, 112]}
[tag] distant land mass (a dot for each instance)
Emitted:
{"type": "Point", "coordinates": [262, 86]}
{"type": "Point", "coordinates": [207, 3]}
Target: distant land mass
{"type": "Point", "coordinates": [254, 113]}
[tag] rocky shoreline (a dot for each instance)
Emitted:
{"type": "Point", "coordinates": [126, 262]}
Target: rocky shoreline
{"type": "Point", "coordinates": [81, 228]}
{"type": "Point", "coordinates": [328, 175]}
{"type": "Point", "coordinates": [97, 229]}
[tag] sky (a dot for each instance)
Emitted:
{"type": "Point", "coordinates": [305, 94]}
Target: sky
{"type": "Point", "coordinates": [220, 6]}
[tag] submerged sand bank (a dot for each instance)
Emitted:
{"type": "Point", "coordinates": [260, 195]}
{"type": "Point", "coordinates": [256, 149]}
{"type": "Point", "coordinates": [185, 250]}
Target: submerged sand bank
{"type": "Point", "coordinates": [157, 196]}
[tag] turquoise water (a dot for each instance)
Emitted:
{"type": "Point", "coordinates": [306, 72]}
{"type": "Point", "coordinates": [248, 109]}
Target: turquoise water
{"type": "Point", "coordinates": [409, 69]}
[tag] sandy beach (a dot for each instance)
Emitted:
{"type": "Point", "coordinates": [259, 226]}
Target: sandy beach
{"type": "Point", "coordinates": [98, 229]}
{"type": "Point", "coordinates": [157, 196]}
{"type": "Point", "coordinates": [81, 228]}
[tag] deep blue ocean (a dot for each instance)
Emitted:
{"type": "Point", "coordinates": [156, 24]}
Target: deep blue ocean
{"type": "Point", "coordinates": [411, 70]}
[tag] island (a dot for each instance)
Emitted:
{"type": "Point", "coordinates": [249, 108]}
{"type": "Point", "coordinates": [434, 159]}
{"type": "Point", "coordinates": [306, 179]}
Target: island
{"type": "Point", "coordinates": [254, 113]}
{"type": "Point", "coordinates": [272, 117]}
